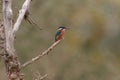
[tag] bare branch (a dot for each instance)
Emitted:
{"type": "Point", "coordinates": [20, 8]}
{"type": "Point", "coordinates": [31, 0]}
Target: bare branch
{"type": "Point", "coordinates": [43, 77]}
{"type": "Point", "coordinates": [28, 18]}
{"type": "Point", "coordinates": [41, 55]}
{"type": "Point", "coordinates": [22, 13]}
{"type": "Point", "coordinates": [38, 76]}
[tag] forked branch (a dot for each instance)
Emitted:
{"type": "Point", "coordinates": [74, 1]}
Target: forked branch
{"type": "Point", "coordinates": [22, 13]}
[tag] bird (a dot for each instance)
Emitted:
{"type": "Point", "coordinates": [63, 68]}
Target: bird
{"type": "Point", "coordinates": [60, 33]}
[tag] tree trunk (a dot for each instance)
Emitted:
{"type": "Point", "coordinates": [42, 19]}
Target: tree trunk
{"type": "Point", "coordinates": [2, 39]}
{"type": "Point", "coordinates": [10, 57]}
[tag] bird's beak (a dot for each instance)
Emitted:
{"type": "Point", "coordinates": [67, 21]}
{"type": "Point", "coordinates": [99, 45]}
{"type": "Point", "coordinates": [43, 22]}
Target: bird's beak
{"type": "Point", "coordinates": [67, 28]}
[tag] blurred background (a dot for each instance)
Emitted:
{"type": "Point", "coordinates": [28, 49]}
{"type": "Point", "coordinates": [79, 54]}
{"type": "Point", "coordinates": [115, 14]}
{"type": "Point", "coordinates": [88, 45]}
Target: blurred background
{"type": "Point", "coordinates": [90, 49]}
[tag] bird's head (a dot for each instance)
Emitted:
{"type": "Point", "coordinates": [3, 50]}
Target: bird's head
{"type": "Point", "coordinates": [62, 27]}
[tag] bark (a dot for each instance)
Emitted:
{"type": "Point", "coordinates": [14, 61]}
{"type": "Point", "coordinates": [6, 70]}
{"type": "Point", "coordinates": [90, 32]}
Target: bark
{"type": "Point", "coordinates": [2, 39]}
{"type": "Point", "coordinates": [22, 13]}
{"type": "Point", "coordinates": [10, 57]}
{"type": "Point", "coordinates": [7, 36]}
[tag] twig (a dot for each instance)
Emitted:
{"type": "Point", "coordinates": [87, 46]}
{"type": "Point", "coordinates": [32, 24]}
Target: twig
{"type": "Point", "coordinates": [43, 77]}
{"type": "Point", "coordinates": [38, 76]}
{"type": "Point", "coordinates": [22, 12]}
{"type": "Point", "coordinates": [28, 18]}
{"type": "Point", "coordinates": [41, 55]}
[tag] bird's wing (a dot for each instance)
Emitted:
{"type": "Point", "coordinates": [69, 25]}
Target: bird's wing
{"type": "Point", "coordinates": [56, 35]}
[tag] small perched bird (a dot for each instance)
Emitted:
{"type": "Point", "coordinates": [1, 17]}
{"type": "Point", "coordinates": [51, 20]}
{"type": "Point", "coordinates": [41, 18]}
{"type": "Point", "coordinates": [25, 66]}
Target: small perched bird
{"type": "Point", "coordinates": [60, 32]}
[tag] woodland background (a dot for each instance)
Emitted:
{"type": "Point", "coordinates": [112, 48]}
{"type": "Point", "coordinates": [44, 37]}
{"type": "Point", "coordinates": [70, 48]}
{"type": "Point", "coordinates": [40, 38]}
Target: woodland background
{"type": "Point", "coordinates": [90, 50]}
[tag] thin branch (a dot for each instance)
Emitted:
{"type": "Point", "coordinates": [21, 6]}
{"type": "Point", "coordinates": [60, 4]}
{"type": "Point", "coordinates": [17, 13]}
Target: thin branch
{"type": "Point", "coordinates": [22, 13]}
{"type": "Point", "coordinates": [43, 77]}
{"type": "Point", "coordinates": [41, 55]}
{"type": "Point", "coordinates": [38, 76]}
{"type": "Point", "coordinates": [28, 18]}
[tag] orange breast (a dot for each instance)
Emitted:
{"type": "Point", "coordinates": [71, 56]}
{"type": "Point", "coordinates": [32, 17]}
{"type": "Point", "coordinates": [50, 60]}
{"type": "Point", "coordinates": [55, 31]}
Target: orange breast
{"type": "Point", "coordinates": [61, 35]}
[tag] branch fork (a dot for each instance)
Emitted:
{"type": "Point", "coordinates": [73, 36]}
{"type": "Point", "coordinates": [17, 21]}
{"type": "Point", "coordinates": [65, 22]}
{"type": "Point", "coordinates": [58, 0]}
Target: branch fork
{"type": "Point", "coordinates": [13, 67]}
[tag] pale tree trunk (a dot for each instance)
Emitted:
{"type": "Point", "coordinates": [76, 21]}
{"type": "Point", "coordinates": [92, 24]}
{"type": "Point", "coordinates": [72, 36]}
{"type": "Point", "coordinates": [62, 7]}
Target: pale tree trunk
{"type": "Point", "coordinates": [7, 36]}
{"type": "Point", "coordinates": [10, 57]}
